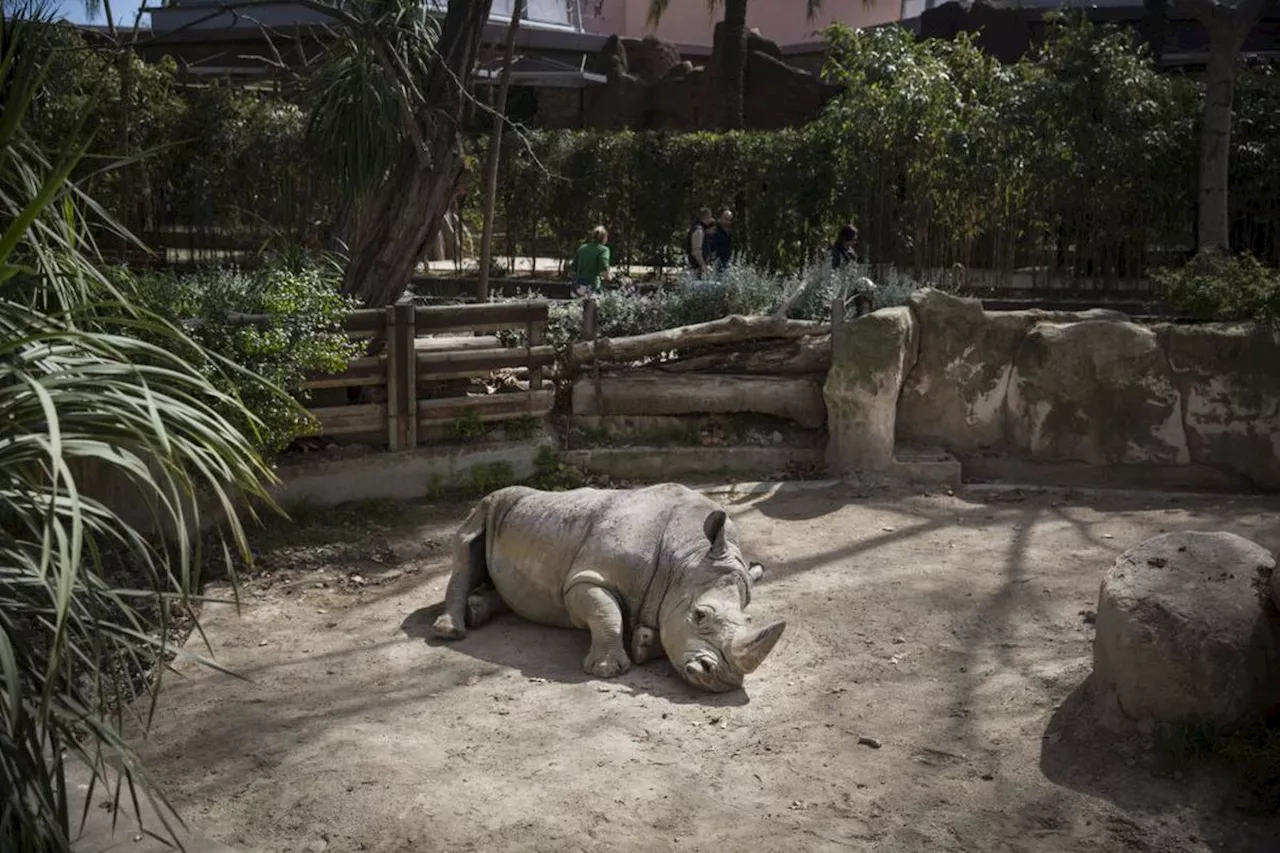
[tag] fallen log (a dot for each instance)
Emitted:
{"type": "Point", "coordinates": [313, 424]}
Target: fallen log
{"type": "Point", "coordinates": [810, 354]}
{"type": "Point", "coordinates": [730, 329]}
{"type": "Point", "coordinates": [654, 393]}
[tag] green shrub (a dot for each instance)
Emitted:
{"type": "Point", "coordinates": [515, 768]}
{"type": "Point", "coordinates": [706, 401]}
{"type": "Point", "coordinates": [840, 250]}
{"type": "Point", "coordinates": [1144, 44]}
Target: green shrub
{"type": "Point", "coordinates": [740, 289]}
{"type": "Point", "coordinates": [552, 475]}
{"type": "Point", "coordinates": [468, 427]}
{"type": "Point", "coordinates": [300, 332]}
{"type": "Point", "coordinates": [488, 477]}
{"type": "Point", "coordinates": [1215, 286]}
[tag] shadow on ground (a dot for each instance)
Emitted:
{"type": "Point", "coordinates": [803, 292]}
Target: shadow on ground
{"type": "Point", "coordinates": [555, 654]}
{"type": "Point", "coordinates": [1090, 748]}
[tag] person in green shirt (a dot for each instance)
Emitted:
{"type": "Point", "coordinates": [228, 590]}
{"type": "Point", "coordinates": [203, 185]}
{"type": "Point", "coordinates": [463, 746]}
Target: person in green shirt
{"type": "Point", "coordinates": [591, 263]}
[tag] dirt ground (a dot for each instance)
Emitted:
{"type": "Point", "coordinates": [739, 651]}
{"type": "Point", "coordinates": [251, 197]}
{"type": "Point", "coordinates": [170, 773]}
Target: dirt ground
{"type": "Point", "coordinates": [954, 630]}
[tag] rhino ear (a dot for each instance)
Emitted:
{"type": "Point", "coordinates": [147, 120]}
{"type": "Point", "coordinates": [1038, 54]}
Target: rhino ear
{"type": "Point", "coordinates": [714, 528]}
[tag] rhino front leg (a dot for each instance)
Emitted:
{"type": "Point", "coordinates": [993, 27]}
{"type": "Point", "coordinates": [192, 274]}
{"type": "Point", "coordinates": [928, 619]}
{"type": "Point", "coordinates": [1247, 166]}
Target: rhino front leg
{"type": "Point", "coordinates": [595, 608]}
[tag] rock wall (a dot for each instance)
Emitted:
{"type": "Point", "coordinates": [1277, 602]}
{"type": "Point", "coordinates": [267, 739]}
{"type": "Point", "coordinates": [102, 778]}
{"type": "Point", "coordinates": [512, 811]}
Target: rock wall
{"type": "Point", "coordinates": [1093, 388]}
{"type": "Point", "coordinates": [1087, 388]}
{"type": "Point", "coordinates": [650, 87]}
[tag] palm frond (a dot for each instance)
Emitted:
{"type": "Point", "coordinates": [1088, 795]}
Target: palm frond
{"type": "Point", "coordinates": [367, 96]}
{"type": "Point", "coordinates": [657, 8]}
{"type": "Point", "coordinates": [115, 452]}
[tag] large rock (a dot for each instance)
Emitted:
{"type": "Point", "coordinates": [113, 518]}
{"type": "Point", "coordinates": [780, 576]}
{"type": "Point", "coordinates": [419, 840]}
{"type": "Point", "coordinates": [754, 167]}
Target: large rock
{"type": "Point", "coordinates": [1096, 391]}
{"type": "Point", "coordinates": [870, 358]}
{"type": "Point", "coordinates": [651, 58]}
{"type": "Point", "coordinates": [1229, 376]}
{"type": "Point", "coordinates": [1185, 630]}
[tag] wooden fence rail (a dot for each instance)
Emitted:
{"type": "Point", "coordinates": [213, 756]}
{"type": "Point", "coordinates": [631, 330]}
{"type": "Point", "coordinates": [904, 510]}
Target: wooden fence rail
{"type": "Point", "coordinates": [396, 377]}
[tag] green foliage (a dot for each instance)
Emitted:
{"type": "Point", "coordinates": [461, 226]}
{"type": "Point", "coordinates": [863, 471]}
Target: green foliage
{"type": "Point", "coordinates": [740, 289]}
{"type": "Point", "coordinates": [358, 108]}
{"type": "Point", "coordinates": [525, 426]}
{"type": "Point", "coordinates": [297, 331]}
{"type": "Point", "coordinates": [488, 477]}
{"type": "Point", "coordinates": [1081, 155]}
{"type": "Point", "coordinates": [468, 427]}
{"type": "Point", "coordinates": [1214, 286]}
{"type": "Point", "coordinates": [94, 391]}
{"type": "Point", "coordinates": [552, 475]}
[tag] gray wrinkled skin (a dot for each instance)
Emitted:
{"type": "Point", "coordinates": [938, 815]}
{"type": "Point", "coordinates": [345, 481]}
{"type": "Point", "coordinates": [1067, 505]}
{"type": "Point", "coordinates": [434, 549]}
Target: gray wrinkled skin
{"type": "Point", "coordinates": [647, 571]}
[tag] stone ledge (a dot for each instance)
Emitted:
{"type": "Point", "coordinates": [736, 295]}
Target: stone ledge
{"type": "Point", "coordinates": [405, 475]}
{"type": "Point", "coordinates": [661, 464]}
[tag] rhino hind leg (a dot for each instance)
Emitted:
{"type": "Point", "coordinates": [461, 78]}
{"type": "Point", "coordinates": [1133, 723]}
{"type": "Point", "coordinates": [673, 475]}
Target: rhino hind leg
{"type": "Point", "coordinates": [483, 604]}
{"type": "Point", "coordinates": [595, 608]}
{"type": "Point", "coordinates": [645, 645]}
{"type": "Point", "coordinates": [469, 573]}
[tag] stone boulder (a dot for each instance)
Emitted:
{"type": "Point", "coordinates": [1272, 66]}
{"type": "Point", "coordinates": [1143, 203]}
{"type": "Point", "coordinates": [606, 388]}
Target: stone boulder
{"type": "Point", "coordinates": [612, 59]}
{"type": "Point", "coordinates": [1229, 377]}
{"type": "Point", "coordinates": [780, 95]}
{"type": "Point", "coordinates": [870, 358]}
{"type": "Point", "coordinates": [651, 58]}
{"type": "Point", "coordinates": [1098, 391]}
{"type": "Point", "coordinates": [758, 43]}
{"type": "Point", "coordinates": [1185, 630]}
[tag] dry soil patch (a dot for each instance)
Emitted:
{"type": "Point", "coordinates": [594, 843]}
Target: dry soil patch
{"type": "Point", "coordinates": [954, 630]}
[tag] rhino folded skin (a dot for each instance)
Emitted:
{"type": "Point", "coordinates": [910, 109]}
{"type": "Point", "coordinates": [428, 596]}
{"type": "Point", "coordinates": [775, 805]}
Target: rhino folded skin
{"type": "Point", "coordinates": [667, 554]}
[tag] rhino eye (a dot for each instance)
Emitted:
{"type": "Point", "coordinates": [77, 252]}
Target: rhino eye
{"type": "Point", "coordinates": [701, 615]}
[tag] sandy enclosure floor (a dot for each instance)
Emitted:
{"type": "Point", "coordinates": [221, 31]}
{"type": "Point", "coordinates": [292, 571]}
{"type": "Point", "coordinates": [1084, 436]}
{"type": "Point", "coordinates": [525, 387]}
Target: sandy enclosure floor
{"type": "Point", "coordinates": [953, 629]}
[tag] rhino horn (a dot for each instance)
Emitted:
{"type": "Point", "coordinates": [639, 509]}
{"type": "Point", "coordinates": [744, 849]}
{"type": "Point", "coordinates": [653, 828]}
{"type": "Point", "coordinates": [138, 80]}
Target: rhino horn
{"type": "Point", "coordinates": [749, 653]}
{"type": "Point", "coordinates": [714, 528]}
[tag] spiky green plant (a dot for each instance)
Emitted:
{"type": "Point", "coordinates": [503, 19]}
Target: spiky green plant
{"type": "Point", "coordinates": [84, 401]}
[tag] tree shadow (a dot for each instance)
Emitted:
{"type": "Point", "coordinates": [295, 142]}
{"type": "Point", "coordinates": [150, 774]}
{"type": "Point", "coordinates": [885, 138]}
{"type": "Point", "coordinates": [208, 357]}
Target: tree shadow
{"type": "Point", "coordinates": [539, 652]}
{"type": "Point", "coordinates": [789, 504]}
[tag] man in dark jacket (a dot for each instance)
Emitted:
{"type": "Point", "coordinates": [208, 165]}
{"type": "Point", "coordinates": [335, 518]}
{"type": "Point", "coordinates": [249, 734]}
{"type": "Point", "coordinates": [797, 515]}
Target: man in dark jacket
{"type": "Point", "coordinates": [695, 242]}
{"type": "Point", "coordinates": [721, 241]}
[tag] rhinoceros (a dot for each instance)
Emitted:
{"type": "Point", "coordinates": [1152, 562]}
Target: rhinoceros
{"type": "Point", "coordinates": [660, 565]}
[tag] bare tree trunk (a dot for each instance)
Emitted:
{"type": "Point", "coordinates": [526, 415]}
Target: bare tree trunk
{"type": "Point", "coordinates": [1227, 27]}
{"type": "Point", "coordinates": [495, 154]}
{"type": "Point", "coordinates": [395, 221]}
{"type": "Point", "coordinates": [735, 62]}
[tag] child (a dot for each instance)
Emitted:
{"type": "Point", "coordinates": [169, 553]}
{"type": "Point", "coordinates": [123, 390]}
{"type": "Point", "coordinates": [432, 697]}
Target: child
{"type": "Point", "coordinates": [591, 263]}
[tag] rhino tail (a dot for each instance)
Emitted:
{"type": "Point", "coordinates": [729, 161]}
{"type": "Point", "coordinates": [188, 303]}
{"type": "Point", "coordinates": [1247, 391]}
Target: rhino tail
{"type": "Point", "coordinates": [470, 571]}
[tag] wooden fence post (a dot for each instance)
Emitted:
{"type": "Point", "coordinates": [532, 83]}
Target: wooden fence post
{"type": "Point", "coordinates": [402, 363]}
{"type": "Point", "coordinates": [535, 371]}
{"type": "Point", "coordinates": [591, 329]}
{"type": "Point", "coordinates": [394, 360]}
{"type": "Point", "coordinates": [837, 312]}
{"type": "Point", "coordinates": [407, 327]}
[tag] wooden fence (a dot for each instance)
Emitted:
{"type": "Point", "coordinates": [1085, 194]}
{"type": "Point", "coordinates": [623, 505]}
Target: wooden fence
{"type": "Point", "coordinates": [410, 380]}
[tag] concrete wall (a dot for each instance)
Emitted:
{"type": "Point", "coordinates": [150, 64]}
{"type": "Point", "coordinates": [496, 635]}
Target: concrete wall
{"type": "Point", "coordinates": [326, 481]}
{"type": "Point", "coordinates": [1058, 389]}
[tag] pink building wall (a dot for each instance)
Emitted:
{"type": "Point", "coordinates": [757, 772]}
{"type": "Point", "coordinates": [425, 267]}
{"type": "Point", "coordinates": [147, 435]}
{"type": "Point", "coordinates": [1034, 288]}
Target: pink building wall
{"type": "Point", "coordinates": [689, 22]}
